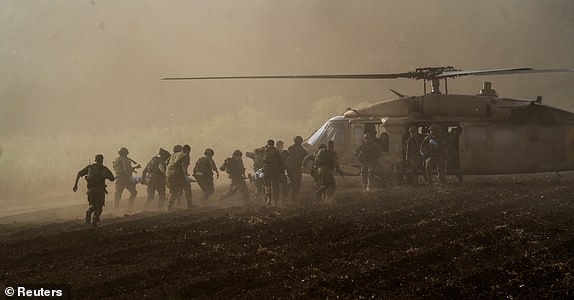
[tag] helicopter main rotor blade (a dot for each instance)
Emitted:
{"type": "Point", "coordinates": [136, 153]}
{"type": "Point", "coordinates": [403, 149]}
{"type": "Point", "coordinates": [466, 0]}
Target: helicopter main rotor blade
{"type": "Point", "coordinates": [500, 72]}
{"type": "Point", "coordinates": [316, 76]}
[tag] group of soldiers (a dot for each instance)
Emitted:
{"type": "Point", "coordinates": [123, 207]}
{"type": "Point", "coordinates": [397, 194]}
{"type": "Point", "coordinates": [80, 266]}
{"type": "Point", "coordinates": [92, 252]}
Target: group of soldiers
{"type": "Point", "coordinates": [425, 154]}
{"type": "Point", "coordinates": [277, 175]}
{"type": "Point", "coordinates": [431, 153]}
{"type": "Point", "coordinates": [278, 172]}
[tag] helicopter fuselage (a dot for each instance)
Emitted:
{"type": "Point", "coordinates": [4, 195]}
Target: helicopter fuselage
{"type": "Point", "coordinates": [491, 135]}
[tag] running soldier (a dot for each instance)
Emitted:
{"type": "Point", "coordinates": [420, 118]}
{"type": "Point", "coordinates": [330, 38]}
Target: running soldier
{"type": "Point", "coordinates": [203, 173]}
{"type": "Point", "coordinates": [368, 155]}
{"type": "Point", "coordinates": [433, 149]}
{"type": "Point", "coordinates": [96, 175]}
{"type": "Point", "coordinates": [234, 167]}
{"type": "Point", "coordinates": [123, 170]}
{"type": "Point", "coordinates": [413, 156]}
{"type": "Point", "coordinates": [273, 170]}
{"type": "Point", "coordinates": [177, 176]}
{"type": "Point", "coordinates": [327, 162]}
{"type": "Point", "coordinates": [294, 164]}
{"type": "Point", "coordinates": [154, 175]}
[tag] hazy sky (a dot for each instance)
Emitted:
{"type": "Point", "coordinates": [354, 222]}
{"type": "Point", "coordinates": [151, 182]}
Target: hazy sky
{"type": "Point", "coordinates": [98, 62]}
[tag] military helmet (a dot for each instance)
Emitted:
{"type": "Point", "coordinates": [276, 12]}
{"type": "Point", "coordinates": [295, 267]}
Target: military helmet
{"type": "Point", "coordinates": [186, 148]}
{"type": "Point", "coordinates": [237, 153]}
{"type": "Point", "coordinates": [123, 151]}
{"type": "Point", "coordinates": [177, 148]}
{"type": "Point", "coordinates": [298, 139]}
{"type": "Point", "coordinates": [208, 151]}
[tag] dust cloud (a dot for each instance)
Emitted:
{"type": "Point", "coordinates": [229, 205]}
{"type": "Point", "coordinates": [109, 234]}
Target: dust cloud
{"type": "Point", "coordinates": [82, 77]}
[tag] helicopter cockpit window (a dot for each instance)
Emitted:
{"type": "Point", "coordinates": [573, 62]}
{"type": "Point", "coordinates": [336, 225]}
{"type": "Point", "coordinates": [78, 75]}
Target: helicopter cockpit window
{"type": "Point", "coordinates": [475, 138]}
{"type": "Point", "coordinates": [316, 136]}
{"type": "Point", "coordinates": [336, 133]}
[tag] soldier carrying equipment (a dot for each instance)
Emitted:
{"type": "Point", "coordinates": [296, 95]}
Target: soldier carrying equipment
{"type": "Point", "coordinates": [96, 175]}
{"type": "Point", "coordinates": [234, 167]}
{"type": "Point", "coordinates": [123, 171]}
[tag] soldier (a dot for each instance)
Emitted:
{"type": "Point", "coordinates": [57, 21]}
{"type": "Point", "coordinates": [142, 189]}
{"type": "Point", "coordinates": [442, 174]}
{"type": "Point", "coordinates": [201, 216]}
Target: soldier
{"type": "Point", "coordinates": [433, 149]}
{"type": "Point", "coordinates": [327, 162]}
{"type": "Point", "coordinates": [294, 164]}
{"type": "Point", "coordinates": [234, 167]}
{"type": "Point", "coordinates": [203, 173]}
{"type": "Point", "coordinates": [368, 155]}
{"type": "Point", "coordinates": [311, 157]}
{"type": "Point", "coordinates": [273, 169]}
{"type": "Point", "coordinates": [413, 156]}
{"type": "Point", "coordinates": [154, 175]}
{"type": "Point", "coordinates": [257, 156]}
{"type": "Point", "coordinates": [177, 174]}
{"type": "Point", "coordinates": [123, 170]}
{"type": "Point", "coordinates": [283, 186]}
{"type": "Point", "coordinates": [96, 175]}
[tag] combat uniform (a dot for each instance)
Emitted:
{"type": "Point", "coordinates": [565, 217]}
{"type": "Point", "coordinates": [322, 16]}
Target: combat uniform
{"type": "Point", "coordinates": [326, 162]}
{"type": "Point", "coordinates": [176, 178]}
{"type": "Point", "coordinates": [236, 170]}
{"type": "Point", "coordinates": [203, 173]}
{"type": "Point", "coordinates": [154, 175]}
{"type": "Point", "coordinates": [123, 171]}
{"type": "Point", "coordinates": [413, 158]}
{"type": "Point", "coordinates": [368, 155]}
{"type": "Point", "coordinates": [96, 175]}
{"type": "Point", "coordinates": [433, 148]}
{"type": "Point", "coordinates": [258, 155]}
{"type": "Point", "coordinates": [294, 163]}
{"type": "Point", "coordinates": [273, 170]}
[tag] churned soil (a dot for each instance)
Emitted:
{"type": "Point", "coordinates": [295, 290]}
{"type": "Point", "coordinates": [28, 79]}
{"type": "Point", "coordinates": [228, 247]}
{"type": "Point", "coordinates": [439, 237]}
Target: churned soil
{"type": "Point", "coordinates": [489, 237]}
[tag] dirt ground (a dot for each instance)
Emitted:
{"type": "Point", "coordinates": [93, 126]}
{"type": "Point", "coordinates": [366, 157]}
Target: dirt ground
{"type": "Point", "coordinates": [489, 237]}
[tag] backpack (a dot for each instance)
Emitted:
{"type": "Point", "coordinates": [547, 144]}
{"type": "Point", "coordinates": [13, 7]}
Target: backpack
{"type": "Point", "coordinates": [322, 158]}
{"type": "Point", "coordinates": [95, 176]}
{"type": "Point", "coordinates": [203, 167]}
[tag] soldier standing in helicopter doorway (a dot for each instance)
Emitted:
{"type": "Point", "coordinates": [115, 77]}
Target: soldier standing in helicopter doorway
{"type": "Point", "coordinates": [96, 175]}
{"type": "Point", "coordinates": [413, 156]}
{"type": "Point", "coordinates": [123, 170]}
{"type": "Point", "coordinates": [368, 155]}
{"type": "Point", "coordinates": [433, 149]}
{"type": "Point", "coordinates": [203, 173]}
{"type": "Point", "coordinates": [294, 164]}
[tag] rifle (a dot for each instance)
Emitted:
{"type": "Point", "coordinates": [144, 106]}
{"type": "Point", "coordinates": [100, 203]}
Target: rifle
{"type": "Point", "coordinates": [138, 166]}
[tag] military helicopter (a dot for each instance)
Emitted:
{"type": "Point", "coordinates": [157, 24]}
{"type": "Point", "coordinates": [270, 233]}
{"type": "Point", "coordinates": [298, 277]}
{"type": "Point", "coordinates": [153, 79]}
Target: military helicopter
{"type": "Point", "coordinates": [489, 134]}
